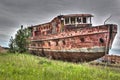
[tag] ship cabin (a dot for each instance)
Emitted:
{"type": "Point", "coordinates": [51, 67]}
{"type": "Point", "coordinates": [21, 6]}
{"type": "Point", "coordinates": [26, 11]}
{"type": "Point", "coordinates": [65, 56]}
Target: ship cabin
{"type": "Point", "coordinates": [62, 23]}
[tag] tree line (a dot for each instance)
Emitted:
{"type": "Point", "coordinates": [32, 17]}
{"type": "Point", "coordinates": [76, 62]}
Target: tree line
{"type": "Point", "coordinates": [20, 42]}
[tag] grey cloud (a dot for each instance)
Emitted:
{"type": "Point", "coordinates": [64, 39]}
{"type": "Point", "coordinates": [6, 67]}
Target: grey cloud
{"type": "Point", "coordinates": [6, 22]}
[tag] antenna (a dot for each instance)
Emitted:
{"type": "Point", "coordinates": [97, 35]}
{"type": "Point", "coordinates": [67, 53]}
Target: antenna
{"type": "Point", "coordinates": [107, 19]}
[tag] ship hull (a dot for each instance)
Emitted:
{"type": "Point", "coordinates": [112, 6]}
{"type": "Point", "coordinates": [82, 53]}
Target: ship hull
{"type": "Point", "coordinates": [80, 45]}
{"type": "Point", "coordinates": [73, 55]}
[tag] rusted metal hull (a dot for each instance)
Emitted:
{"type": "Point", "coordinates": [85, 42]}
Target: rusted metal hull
{"type": "Point", "coordinates": [71, 38]}
{"type": "Point", "coordinates": [69, 56]}
{"type": "Point", "coordinates": [78, 45]}
{"type": "Point", "coordinates": [72, 55]}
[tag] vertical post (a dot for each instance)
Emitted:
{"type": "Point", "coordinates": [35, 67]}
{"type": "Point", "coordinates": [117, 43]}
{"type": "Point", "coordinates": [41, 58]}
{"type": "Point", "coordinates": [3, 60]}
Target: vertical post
{"type": "Point", "coordinates": [62, 24]}
{"type": "Point", "coordinates": [76, 20]}
{"type": "Point", "coordinates": [64, 21]}
{"type": "Point", "coordinates": [90, 21]}
{"type": "Point", "coordinates": [69, 20]}
{"type": "Point", "coordinates": [81, 19]}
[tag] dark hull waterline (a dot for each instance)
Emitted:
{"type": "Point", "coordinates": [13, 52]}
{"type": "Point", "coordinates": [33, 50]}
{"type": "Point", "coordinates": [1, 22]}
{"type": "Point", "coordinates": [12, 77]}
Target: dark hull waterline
{"type": "Point", "coordinates": [69, 56]}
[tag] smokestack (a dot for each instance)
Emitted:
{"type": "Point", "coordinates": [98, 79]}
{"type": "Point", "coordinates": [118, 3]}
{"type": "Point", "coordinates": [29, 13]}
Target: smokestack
{"type": "Point", "coordinates": [115, 49]}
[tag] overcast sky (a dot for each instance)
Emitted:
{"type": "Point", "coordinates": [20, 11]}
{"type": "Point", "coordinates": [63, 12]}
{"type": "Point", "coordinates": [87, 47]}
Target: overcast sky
{"type": "Point", "coordinates": [14, 13]}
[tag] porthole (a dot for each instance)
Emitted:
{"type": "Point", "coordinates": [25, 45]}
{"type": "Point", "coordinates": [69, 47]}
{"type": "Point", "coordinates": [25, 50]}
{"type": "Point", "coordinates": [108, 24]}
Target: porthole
{"type": "Point", "coordinates": [82, 39]}
{"type": "Point", "coordinates": [101, 40]}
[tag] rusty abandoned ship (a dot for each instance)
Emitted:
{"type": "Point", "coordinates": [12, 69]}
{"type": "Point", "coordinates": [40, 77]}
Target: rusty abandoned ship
{"type": "Point", "coordinates": [71, 38]}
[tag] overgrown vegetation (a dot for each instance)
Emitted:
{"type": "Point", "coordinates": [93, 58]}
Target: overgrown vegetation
{"type": "Point", "coordinates": [29, 67]}
{"type": "Point", "coordinates": [20, 42]}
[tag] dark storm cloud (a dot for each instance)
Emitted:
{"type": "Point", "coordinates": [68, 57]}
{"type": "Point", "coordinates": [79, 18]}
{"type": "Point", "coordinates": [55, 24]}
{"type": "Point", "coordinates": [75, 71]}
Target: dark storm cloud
{"type": "Point", "coordinates": [14, 13]}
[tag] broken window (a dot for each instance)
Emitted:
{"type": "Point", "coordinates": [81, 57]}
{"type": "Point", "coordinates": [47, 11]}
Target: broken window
{"type": "Point", "coordinates": [84, 20]}
{"type": "Point", "coordinates": [73, 20]}
{"type": "Point", "coordinates": [79, 19]}
{"type": "Point", "coordinates": [66, 20]}
{"type": "Point", "coordinates": [37, 33]}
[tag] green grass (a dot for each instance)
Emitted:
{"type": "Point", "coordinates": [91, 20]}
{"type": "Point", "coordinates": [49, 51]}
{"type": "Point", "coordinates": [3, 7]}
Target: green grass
{"type": "Point", "coordinates": [29, 67]}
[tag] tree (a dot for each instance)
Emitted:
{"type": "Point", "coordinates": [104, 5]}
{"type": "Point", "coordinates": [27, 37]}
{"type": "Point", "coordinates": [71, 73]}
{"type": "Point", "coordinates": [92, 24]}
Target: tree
{"type": "Point", "coordinates": [21, 40]}
{"type": "Point", "coordinates": [12, 45]}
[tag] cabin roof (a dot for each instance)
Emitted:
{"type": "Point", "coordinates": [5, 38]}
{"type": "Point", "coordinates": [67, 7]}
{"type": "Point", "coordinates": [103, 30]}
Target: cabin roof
{"type": "Point", "coordinates": [78, 15]}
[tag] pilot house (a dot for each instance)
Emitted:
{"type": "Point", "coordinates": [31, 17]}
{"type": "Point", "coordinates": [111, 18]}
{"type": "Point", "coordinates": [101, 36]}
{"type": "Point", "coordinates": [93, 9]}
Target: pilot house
{"type": "Point", "coordinates": [63, 23]}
